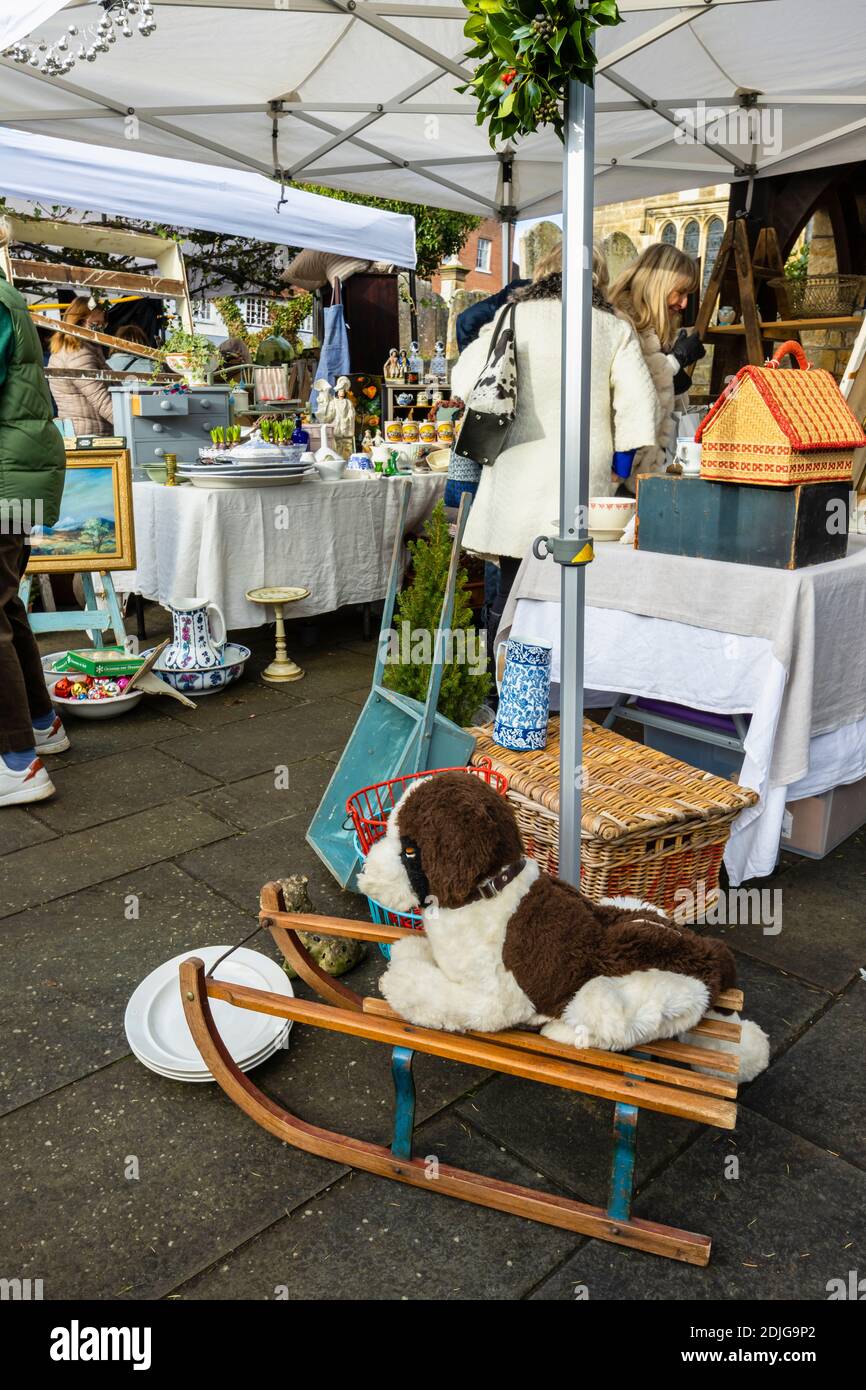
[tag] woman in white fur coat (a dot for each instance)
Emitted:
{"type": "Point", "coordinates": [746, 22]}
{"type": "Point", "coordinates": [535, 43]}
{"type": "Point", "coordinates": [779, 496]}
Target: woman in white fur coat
{"type": "Point", "coordinates": [518, 495]}
{"type": "Point", "coordinates": [651, 295]}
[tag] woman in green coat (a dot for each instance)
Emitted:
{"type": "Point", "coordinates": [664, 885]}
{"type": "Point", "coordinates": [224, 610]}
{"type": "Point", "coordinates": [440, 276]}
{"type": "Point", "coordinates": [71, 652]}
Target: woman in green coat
{"type": "Point", "coordinates": [32, 469]}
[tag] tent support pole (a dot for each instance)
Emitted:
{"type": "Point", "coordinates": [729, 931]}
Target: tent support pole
{"type": "Point", "coordinates": [577, 196]}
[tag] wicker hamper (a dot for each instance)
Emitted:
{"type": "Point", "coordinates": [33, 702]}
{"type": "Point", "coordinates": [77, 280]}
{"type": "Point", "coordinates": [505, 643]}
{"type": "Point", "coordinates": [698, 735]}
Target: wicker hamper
{"type": "Point", "coordinates": [651, 826]}
{"type": "Point", "coordinates": [780, 427]}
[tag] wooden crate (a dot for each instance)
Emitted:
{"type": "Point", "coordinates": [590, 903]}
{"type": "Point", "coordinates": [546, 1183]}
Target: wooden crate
{"type": "Point", "coordinates": [779, 528]}
{"type": "Point", "coordinates": [652, 827]}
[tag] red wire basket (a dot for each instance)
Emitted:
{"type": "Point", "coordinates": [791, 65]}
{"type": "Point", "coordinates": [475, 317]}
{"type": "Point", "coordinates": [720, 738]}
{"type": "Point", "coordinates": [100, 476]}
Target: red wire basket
{"type": "Point", "coordinates": [370, 807]}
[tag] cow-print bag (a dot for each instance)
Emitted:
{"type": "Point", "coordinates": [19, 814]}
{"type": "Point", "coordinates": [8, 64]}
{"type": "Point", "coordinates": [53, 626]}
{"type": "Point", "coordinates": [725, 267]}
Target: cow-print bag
{"type": "Point", "coordinates": [491, 405]}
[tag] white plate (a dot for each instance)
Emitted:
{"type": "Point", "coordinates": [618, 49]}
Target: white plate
{"type": "Point", "coordinates": [156, 1026]}
{"type": "Point", "coordinates": [251, 480]}
{"type": "Point", "coordinates": [280, 1042]}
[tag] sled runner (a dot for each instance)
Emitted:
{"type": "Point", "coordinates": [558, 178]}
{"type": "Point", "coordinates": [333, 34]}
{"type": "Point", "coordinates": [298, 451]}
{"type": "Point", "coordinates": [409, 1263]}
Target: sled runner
{"type": "Point", "coordinates": [658, 1077]}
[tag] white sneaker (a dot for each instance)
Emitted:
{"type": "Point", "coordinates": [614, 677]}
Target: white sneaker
{"type": "Point", "coordinates": [54, 739]}
{"type": "Point", "coordinates": [17, 788]}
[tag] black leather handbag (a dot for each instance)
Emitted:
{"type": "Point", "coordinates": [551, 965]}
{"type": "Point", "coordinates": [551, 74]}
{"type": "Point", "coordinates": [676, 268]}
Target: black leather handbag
{"type": "Point", "coordinates": [491, 405]}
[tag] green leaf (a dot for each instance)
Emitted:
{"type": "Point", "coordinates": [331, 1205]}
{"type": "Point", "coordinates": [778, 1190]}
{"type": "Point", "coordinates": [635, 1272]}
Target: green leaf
{"type": "Point", "coordinates": [558, 40]}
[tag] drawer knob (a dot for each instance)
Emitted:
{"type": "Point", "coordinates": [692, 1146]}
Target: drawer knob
{"type": "Point", "coordinates": [157, 429]}
{"type": "Point", "coordinates": [165, 405]}
{"type": "Point", "coordinates": [205, 404]}
{"type": "Point", "coordinates": [159, 453]}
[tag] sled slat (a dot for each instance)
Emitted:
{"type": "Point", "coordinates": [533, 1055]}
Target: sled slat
{"type": "Point", "coordinates": [490, 1056]}
{"type": "Point", "coordinates": [591, 1056]}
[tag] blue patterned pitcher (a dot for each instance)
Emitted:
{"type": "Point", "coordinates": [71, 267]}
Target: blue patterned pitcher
{"type": "Point", "coordinates": [194, 647]}
{"type": "Point", "coordinates": [524, 700]}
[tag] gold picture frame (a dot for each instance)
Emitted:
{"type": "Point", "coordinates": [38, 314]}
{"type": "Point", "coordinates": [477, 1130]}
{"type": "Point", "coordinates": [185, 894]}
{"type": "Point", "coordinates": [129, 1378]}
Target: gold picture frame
{"type": "Point", "coordinates": [95, 530]}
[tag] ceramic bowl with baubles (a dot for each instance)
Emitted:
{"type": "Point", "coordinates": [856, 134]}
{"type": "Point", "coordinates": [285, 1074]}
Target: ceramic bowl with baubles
{"type": "Point", "coordinates": [108, 708]}
{"type": "Point", "coordinates": [201, 681]}
{"type": "Point", "coordinates": [609, 516]}
{"type": "Point", "coordinates": [330, 470]}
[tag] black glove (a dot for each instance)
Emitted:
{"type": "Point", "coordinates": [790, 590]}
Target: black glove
{"type": "Point", "coordinates": [688, 349]}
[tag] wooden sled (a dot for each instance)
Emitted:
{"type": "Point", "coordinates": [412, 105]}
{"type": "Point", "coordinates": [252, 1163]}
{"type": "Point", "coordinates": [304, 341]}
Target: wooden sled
{"type": "Point", "coordinates": [659, 1077]}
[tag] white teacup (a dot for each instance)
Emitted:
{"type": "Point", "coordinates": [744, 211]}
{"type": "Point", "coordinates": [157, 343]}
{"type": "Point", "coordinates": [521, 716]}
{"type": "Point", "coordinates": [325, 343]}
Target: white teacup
{"type": "Point", "coordinates": [688, 456]}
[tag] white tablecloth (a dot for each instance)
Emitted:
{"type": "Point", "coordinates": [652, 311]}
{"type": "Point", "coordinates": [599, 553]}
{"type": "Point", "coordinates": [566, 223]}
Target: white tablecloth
{"type": "Point", "coordinates": [333, 538]}
{"type": "Point", "coordinates": [731, 671]}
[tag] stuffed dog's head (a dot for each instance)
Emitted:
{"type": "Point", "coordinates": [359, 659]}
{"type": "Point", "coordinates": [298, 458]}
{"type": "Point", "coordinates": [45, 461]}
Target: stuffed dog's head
{"type": "Point", "coordinates": [445, 835]}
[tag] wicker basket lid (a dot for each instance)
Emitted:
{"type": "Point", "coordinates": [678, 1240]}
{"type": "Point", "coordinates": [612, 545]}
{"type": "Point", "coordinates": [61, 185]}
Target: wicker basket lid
{"type": "Point", "coordinates": [628, 789]}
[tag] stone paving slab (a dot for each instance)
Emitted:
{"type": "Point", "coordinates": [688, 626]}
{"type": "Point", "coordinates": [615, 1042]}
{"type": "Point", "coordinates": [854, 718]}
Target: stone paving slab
{"type": "Point", "coordinates": [249, 746]}
{"type": "Point", "coordinates": [794, 1218]}
{"type": "Point", "coordinates": [821, 939]}
{"type": "Point", "coordinates": [149, 723]}
{"type": "Point", "coordinates": [120, 784]}
{"type": "Point", "coordinates": [264, 799]}
{"type": "Point", "coordinates": [75, 963]}
{"type": "Point", "coordinates": [19, 829]}
{"type": "Point", "coordinates": [819, 1086]}
{"type": "Point", "coordinates": [68, 863]}
{"type": "Point", "coordinates": [238, 867]}
{"type": "Point", "coordinates": [369, 1238]}
{"type": "Point", "coordinates": [209, 1180]}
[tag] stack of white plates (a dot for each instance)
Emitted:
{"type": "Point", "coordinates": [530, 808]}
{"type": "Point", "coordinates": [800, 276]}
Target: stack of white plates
{"type": "Point", "coordinates": [224, 475]}
{"type": "Point", "coordinates": [156, 1026]}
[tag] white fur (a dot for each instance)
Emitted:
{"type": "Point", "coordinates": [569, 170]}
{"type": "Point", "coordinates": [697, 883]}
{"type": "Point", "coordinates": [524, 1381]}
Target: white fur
{"type": "Point", "coordinates": [459, 982]}
{"type": "Point", "coordinates": [383, 876]}
{"type": "Point", "coordinates": [753, 1047]}
{"type": "Point", "coordinates": [514, 499]}
{"type": "Point", "coordinates": [619, 1012]}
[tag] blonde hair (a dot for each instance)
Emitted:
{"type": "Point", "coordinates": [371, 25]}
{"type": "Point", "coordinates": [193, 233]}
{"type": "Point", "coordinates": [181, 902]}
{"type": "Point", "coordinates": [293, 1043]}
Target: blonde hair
{"type": "Point", "coordinates": [551, 264]}
{"type": "Point", "coordinates": [641, 293]}
{"type": "Point", "coordinates": [77, 312]}
{"type": "Point", "coordinates": [5, 231]}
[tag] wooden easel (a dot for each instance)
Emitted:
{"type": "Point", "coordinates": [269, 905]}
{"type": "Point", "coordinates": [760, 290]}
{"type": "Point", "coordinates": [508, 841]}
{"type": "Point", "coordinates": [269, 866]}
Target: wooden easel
{"type": "Point", "coordinates": [91, 619]}
{"type": "Point", "coordinates": [750, 269]}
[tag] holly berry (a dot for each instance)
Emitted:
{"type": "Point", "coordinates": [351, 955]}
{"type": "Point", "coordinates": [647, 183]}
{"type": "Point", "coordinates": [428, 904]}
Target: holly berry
{"type": "Point", "coordinates": [547, 110]}
{"type": "Point", "coordinates": [509, 75]}
{"type": "Point", "coordinates": [543, 27]}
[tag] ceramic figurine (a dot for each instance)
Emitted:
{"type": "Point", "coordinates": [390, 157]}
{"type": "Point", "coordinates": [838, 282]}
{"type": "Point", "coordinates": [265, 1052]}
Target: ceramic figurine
{"type": "Point", "coordinates": [438, 365]}
{"type": "Point", "coordinates": [344, 418]}
{"type": "Point", "coordinates": [416, 363]}
{"type": "Point", "coordinates": [325, 412]}
{"type": "Point", "coordinates": [726, 315]}
{"type": "Point", "coordinates": [404, 365]}
{"type": "Point", "coordinates": [378, 438]}
{"type": "Point", "coordinates": [367, 443]}
{"type": "Point", "coordinates": [391, 369]}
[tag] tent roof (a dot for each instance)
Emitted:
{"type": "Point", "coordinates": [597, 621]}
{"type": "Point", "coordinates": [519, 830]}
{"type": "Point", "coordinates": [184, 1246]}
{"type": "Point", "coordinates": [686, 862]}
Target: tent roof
{"type": "Point", "coordinates": [362, 96]}
{"type": "Point", "coordinates": [127, 183]}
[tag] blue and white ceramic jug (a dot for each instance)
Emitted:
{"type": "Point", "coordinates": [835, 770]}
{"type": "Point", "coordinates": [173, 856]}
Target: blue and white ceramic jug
{"type": "Point", "coordinates": [524, 700]}
{"type": "Point", "coordinates": [193, 645]}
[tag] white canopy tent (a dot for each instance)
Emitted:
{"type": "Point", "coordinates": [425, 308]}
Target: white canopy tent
{"type": "Point", "coordinates": [126, 183]}
{"type": "Point", "coordinates": [360, 95]}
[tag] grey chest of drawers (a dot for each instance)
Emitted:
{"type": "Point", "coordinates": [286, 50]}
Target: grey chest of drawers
{"type": "Point", "coordinates": [156, 422]}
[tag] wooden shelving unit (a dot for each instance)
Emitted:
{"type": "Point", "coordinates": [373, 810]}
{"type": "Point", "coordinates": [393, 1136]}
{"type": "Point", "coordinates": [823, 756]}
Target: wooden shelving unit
{"type": "Point", "coordinates": [781, 329]}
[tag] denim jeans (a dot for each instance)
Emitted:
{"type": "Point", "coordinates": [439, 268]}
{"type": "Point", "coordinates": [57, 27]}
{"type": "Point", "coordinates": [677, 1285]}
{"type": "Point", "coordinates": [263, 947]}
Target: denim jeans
{"type": "Point", "coordinates": [23, 693]}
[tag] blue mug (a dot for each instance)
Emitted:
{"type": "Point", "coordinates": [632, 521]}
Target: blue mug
{"type": "Point", "coordinates": [524, 700]}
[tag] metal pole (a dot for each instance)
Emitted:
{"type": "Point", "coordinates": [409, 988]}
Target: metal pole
{"type": "Point", "coordinates": [507, 219]}
{"type": "Point", "coordinates": [577, 201]}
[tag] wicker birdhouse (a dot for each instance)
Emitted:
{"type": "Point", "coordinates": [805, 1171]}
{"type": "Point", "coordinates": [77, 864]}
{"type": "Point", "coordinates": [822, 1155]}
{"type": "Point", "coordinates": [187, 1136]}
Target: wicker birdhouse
{"type": "Point", "coordinates": [778, 427]}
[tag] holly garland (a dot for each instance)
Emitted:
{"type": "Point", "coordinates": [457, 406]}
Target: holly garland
{"type": "Point", "coordinates": [526, 52]}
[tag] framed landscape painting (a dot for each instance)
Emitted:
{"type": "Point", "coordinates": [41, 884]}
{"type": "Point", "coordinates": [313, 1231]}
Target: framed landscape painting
{"type": "Point", "coordinates": [95, 528]}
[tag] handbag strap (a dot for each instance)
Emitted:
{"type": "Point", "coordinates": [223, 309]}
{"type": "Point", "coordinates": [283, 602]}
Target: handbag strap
{"type": "Point", "coordinates": [508, 312]}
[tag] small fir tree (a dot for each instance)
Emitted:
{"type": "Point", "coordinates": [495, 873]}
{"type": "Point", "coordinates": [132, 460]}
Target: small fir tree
{"type": "Point", "coordinates": [464, 688]}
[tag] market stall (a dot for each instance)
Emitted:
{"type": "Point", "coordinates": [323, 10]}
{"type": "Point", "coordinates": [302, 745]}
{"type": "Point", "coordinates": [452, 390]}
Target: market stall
{"type": "Point", "coordinates": [781, 646]}
{"type": "Point", "coordinates": [333, 538]}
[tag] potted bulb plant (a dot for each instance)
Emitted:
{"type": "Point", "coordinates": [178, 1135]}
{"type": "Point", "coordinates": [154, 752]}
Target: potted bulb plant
{"type": "Point", "coordinates": [191, 355]}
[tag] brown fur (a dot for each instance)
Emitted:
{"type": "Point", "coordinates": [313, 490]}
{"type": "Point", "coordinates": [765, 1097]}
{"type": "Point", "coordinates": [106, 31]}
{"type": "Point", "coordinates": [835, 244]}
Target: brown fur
{"type": "Point", "coordinates": [558, 940]}
{"type": "Point", "coordinates": [435, 818]}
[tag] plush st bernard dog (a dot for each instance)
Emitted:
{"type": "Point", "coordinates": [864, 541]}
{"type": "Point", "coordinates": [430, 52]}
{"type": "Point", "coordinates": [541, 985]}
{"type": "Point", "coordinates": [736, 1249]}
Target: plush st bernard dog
{"type": "Point", "coordinates": [505, 945]}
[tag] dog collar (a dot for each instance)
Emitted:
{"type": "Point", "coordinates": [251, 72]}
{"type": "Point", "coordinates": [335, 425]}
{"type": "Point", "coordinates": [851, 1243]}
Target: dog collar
{"type": "Point", "coordinates": [489, 887]}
